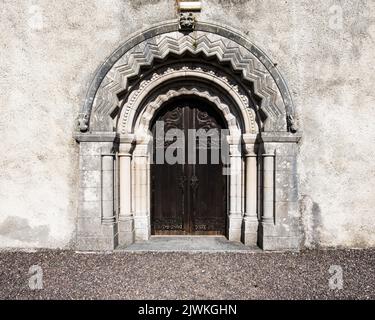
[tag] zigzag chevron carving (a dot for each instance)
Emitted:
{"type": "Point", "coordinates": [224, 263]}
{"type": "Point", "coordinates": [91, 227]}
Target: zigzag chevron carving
{"type": "Point", "coordinates": [210, 45]}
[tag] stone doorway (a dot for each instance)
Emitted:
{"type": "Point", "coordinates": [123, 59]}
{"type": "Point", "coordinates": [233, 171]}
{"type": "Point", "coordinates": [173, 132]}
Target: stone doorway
{"type": "Point", "coordinates": [221, 67]}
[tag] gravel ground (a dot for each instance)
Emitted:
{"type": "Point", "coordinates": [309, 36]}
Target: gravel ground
{"type": "Point", "coordinates": [149, 275]}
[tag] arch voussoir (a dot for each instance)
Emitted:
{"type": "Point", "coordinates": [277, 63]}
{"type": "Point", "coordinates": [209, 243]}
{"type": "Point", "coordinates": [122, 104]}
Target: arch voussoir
{"type": "Point", "coordinates": [207, 83]}
{"type": "Point", "coordinates": [143, 121]}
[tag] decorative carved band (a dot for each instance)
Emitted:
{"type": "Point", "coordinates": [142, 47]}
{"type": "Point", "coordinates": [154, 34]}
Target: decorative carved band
{"type": "Point", "coordinates": [210, 45]}
{"type": "Point", "coordinates": [134, 100]}
{"type": "Point", "coordinates": [154, 105]}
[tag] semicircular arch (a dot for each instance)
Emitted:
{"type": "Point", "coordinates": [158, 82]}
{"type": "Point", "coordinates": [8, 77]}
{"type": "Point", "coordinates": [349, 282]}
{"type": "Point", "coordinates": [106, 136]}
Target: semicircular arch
{"type": "Point", "coordinates": [209, 41]}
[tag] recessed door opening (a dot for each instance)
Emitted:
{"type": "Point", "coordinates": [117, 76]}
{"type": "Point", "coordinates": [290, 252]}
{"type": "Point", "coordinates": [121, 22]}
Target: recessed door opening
{"type": "Point", "coordinates": [188, 198]}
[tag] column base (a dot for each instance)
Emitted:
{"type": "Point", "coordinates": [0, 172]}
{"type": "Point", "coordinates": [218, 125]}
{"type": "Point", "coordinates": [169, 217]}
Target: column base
{"type": "Point", "coordinates": [269, 239]}
{"type": "Point", "coordinates": [235, 227]}
{"type": "Point", "coordinates": [105, 240]}
{"type": "Point", "coordinates": [250, 230]}
{"type": "Point", "coordinates": [126, 231]}
{"type": "Point", "coordinates": [109, 221]}
{"type": "Point", "coordinates": [142, 228]}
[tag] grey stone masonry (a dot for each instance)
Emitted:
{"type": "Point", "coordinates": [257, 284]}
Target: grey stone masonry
{"type": "Point", "coordinates": [115, 192]}
{"type": "Point", "coordinates": [96, 221]}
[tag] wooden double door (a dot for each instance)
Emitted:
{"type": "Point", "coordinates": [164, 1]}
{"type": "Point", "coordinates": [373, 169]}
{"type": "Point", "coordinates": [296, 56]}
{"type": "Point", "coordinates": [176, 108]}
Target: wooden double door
{"type": "Point", "coordinates": [188, 197]}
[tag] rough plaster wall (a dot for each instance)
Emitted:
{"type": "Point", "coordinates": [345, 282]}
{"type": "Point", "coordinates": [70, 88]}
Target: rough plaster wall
{"type": "Point", "coordinates": [49, 52]}
{"type": "Point", "coordinates": [51, 49]}
{"type": "Point", "coordinates": [329, 71]}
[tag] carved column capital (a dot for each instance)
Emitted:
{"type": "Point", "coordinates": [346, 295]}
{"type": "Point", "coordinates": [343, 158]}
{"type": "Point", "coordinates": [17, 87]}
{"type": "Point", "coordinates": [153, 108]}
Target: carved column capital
{"type": "Point", "coordinates": [249, 150]}
{"type": "Point", "coordinates": [141, 150]}
{"type": "Point", "coordinates": [126, 146]}
{"type": "Point", "coordinates": [269, 149]}
{"type": "Point", "coordinates": [235, 145]}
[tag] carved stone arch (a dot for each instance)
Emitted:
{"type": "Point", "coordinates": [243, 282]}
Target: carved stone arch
{"type": "Point", "coordinates": [217, 86]}
{"type": "Point", "coordinates": [142, 123]}
{"type": "Point", "coordinates": [244, 84]}
{"type": "Point", "coordinates": [209, 40]}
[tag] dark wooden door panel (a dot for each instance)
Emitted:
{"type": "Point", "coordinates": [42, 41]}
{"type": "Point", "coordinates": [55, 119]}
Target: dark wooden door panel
{"type": "Point", "coordinates": [168, 201]}
{"type": "Point", "coordinates": [189, 198]}
{"type": "Point", "coordinates": [168, 213]}
{"type": "Point", "coordinates": [209, 213]}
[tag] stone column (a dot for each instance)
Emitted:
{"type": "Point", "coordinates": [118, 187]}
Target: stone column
{"type": "Point", "coordinates": [251, 215]}
{"type": "Point", "coordinates": [126, 219]}
{"type": "Point", "coordinates": [108, 212]}
{"type": "Point", "coordinates": [268, 188]}
{"type": "Point", "coordinates": [235, 191]}
{"type": "Point", "coordinates": [141, 197]}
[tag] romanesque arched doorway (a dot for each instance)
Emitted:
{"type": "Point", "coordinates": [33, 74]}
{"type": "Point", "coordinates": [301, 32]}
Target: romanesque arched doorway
{"type": "Point", "coordinates": [188, 177]}
{"type": "Point", "coordinates": [155, 68]}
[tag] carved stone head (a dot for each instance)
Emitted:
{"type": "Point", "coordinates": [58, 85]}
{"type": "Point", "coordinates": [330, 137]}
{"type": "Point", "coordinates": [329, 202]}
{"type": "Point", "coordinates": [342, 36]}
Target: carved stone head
{"type": "Point", "coordinates": [83, 122]}
{"type": "Point", "coordinates": [187, 21]}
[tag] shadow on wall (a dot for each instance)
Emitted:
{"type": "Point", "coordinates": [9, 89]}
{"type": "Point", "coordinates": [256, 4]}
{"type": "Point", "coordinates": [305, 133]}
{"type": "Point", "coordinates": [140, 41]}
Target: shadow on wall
{"type": "Point", "coordinates": [19, 229]}
{"type": "Point", "coordinates": [311, 222]}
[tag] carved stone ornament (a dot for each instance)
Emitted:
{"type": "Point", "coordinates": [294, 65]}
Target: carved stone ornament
{"type": "Point", "coordinates": [291, 122]}
{"type": "Point", "coordinates": [116, 81]}
{"type": "Point", "coordinates": [83, 122]}
{"type": "Point", "coordinates": [187, 21]}
{"type": "Point", "coordinates": [197, 89]}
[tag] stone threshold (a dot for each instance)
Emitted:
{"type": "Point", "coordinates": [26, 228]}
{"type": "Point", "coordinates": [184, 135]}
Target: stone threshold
{"type": "Point", "coordinates": [188, 244]}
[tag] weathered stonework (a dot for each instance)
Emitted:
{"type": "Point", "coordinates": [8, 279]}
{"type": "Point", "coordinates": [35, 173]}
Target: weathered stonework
{"type": "Point", "coordinates": [251, 64]}
{"type": "Point", "coordinates": [55, 56]}
{"type": "Point", "coordinates": [186, 71]}
{"type": "Point", "coordinates": [125, 109]}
